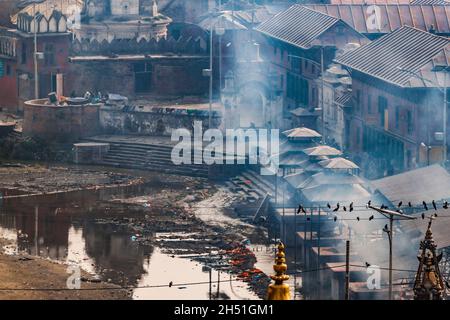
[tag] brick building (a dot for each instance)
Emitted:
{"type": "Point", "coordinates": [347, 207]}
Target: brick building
{"type": "Point", "coordinates": [16, 57]}
{"type": "Point", "coordinates": [296, 42]}
{"type": "Point", "coordinates": [397, 117]}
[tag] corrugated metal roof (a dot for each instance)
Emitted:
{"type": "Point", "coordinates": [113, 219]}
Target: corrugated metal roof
{"type": "Point", "coordinates": [391, 16]}
{"type": "Point", "coordinates": [423, 184]}
{"type": "Point", "coordinates": [298, 25]}
{"type": "Point", "coordinates": [444, 2]}
{"type": "Point", "coordinates": [369, 1]}
{"type": "Point", "coordinates": [344, 99]}
{"type": "Point", "coordinates": [402, 57]}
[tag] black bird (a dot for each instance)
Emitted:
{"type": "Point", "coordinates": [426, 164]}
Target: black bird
{"type": "Point", "coordinates": [435, 215]}
{"type": "Point", "coordinates": [371, 218]}
{"type": "Point", "coordinates": [445, 206]}
{"type": "Point", "coordinates": [386, 229]}
{"type": "Point", "coordinates": [423, 215]}
{"type": "Point", "coordinates": [409, 204]}
{"type": "Point", "coordinates": [335, 219]}
{"type": "Point", "coordinates": [170, 284]}
{"type": "Point", "coordinates": [345, 209]}
{"type": "Point", "coordinates": [383, 206]}
{"type": "Point", "coordinates": [434, 205]}
{"type": "Point", "coordinates": [357, 218]}
{"type": "Point", "coordinates": [336, 209]}
{"type": "Point", "coordinates": [329, 206]}
{"type": "Point", "coordinates": [400, 204]}
{"type": "Point", "coordinates": [369, 203]}
{"type": "Point", "coordinates": [425, 205]}
{"type": "Point", "coordinates": [367, 264]}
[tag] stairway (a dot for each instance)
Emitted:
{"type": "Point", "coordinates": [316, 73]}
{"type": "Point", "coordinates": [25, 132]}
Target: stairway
{"type": "Point", "coordinates": [149, 157]}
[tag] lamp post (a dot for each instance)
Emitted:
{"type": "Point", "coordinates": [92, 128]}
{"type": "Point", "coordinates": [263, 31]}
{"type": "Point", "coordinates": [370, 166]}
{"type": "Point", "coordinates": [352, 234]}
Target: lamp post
{"type": "Point", "coordinates": [391, 215]}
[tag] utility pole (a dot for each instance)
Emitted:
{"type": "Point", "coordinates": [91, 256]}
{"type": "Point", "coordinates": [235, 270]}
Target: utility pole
{"type": "Point", "coordinates": [210, 283]}
{"type": "Point", "coordinates": [210, 72]}
{"type": "Point", "coordinates": [322, 75]}
{"type": "Point", "coordinates": [347, 270]}
{"type": "Point", "coordinates": [35, 59]}
{"type": "Point", "coordinates": [390, 232]}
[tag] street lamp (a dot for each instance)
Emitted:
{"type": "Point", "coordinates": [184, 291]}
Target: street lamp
{"type": "Point", "coordinates": [322, 71]}
{"type": "Point", "coordinates": [446, 70]}
{"type": "Point", "coordinates": [391, 215]}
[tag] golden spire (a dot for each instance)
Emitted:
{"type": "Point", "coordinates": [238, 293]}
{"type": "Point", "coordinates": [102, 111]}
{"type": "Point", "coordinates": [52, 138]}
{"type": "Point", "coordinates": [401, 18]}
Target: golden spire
{"type": "Point", "coordinates": [428, 284]}
{"type": "Point", "coordinates": [279, 290]}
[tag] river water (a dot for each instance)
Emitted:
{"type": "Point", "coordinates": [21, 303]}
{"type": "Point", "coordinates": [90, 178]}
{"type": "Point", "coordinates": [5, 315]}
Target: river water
{"type": "Point", "coordinates": [66, 228]}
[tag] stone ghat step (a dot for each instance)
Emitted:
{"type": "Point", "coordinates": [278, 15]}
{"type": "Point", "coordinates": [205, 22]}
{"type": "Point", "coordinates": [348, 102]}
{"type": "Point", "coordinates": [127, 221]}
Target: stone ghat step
{"type": "Point", "coordinates": [159, 168]}
{"type": "Point", "coordinates": [149, 158]}
{"type": "Point", "coordinates": [148, 162]}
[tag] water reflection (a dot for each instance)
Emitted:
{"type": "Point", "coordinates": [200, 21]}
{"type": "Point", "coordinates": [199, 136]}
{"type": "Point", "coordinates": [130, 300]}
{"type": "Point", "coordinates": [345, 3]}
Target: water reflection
{"type": "Point", "coordinates": [66, 230]}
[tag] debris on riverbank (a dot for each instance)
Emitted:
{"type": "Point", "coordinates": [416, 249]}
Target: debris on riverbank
{"type": "Point", "coordinates": [33, 278]}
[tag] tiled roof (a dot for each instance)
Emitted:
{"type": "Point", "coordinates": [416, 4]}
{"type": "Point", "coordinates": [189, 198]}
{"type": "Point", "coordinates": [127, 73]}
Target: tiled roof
{"type": "Point", "coordinates": [298, 25]}
{"type": "Point", "coordinates": [404, 57]}
{"type": "Point", "coordinates": [392, 16]}
{"type": "Point", "coordinates": [445, 2]}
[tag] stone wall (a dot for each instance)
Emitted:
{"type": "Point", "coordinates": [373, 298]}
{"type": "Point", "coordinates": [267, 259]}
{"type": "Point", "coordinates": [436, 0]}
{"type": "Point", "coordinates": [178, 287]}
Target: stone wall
{"type": "Point", "coordinates": [153, 121]}
{"type": "Point", "coordinates": [171, 76]}
{"type": "Point", "coordinates": [62, 124]}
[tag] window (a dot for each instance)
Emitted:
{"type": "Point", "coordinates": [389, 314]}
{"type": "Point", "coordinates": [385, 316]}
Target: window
{"type": "Point", "coordinates": [49, 54]}
{"type": "Point", "coordinates": [358, 100]}
{"type": "Point", "coordinates": [23, 56]}
{"type": "Point", "coordinates": [358, 138]}
{"type": "Point", "coordinates": [296, 65]}
{"type": "Point", "coordinates": [8, 70]}
{"type": "Point", "coordinates": [382, 106]}
{"type": "Point", "coordinates": [297, 89]}
{"type": "Point", "coordinates": [409, 120]}
{"type": "Point", "coordinates": [369, 104]}
{"type": "Point", "coordinates": [397, 117]}
{"type": "Point", "coordinates": [142, 77]}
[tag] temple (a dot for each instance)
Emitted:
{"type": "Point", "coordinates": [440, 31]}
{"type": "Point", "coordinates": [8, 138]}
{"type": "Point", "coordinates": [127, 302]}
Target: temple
{"type": "Point", "coordinates": [428, 284]}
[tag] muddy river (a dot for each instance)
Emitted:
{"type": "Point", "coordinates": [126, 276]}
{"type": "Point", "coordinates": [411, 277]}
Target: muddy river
{"type": "Point", "coordinates": [70, 228]}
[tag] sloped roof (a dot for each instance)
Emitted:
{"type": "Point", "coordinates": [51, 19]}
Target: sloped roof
{"type": "Point", "coordinates": [336, 193]}
{"type": "Point", "coordinates": [338, 163]}
{"type": "Point", "coordinates": [440, 227]}
{"type": "Point", "coordinates": [301, 133]}
{"type": "Point", "coordinates": [445, 2]}
{"type": "Point", "coordinates": [423, 184]}
{"type": "Point", "coordinates": [344, 99]}
{"type": "Point", "coordinates": [322, 150]}
{"type": "Point", "coordinates": [399, 56]}
{"type": "Point", "coordinates": [298, 25]}
{"type": "Point", "coordinates": [392, 16]}
{"type": "Point", "coordinates": [369, 1]}
{"type": "Point", "coordinates": [325, 178]}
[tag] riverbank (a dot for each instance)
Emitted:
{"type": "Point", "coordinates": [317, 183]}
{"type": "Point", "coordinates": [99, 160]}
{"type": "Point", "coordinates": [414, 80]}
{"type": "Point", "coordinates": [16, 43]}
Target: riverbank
{"type": "Point", "coordinates": [113, 234]}
{"type": "Point", "coordinates": [25, 274]}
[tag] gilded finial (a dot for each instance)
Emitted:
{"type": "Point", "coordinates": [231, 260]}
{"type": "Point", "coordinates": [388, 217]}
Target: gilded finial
{"type": "Point", "coordinates": [279, 290]}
